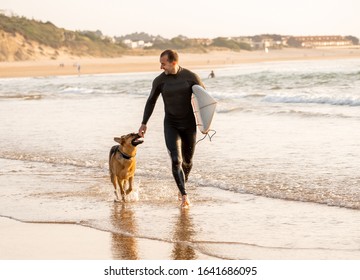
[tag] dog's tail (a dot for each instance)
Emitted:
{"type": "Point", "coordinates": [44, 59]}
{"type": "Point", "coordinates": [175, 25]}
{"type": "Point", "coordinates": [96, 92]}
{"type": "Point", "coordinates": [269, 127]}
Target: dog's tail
{"type": "Point", "coordinates": [113, 151]}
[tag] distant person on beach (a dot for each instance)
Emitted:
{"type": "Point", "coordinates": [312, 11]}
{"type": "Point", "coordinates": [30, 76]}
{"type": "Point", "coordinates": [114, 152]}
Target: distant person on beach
{"type": "Point", "coordinates": [175, 85]}
{"type": "Point", "coordinates": [211, 75]}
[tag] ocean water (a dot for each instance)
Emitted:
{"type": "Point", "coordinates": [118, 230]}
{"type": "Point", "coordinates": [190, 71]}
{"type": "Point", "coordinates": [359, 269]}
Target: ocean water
{"type": "Point", "coordinates": [287, 142]}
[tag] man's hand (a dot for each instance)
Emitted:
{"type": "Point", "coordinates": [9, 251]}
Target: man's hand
{"type": "Point", "coordinates": [142, 130]}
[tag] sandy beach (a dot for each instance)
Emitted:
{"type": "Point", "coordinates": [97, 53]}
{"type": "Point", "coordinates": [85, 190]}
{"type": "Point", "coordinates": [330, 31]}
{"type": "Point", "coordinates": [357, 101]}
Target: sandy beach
{"type": "Point", "coordinates": [211, 60]}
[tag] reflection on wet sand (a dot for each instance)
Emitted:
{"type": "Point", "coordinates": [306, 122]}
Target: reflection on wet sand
{"type": "Point", "coordinates": [183, 235]}
{"type": "Point", "coordinates": [124, 244]}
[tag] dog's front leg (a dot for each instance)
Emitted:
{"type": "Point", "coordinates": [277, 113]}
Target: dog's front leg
{"type": "Point", "coordinates": [130, 188]}
{"type": "Point", "coordinates": [119, 190]}
{"type": "Point", "coordinates": [116, 188]}
{"type": "Point", "coordinates": [117, 194]}
{"type": "Point", "coordinates": [122, 188]}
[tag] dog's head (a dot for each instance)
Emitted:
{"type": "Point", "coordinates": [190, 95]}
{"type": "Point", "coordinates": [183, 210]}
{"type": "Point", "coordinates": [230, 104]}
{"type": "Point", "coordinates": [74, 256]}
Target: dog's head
{"type": "Point", "coordinates": [131, 139]}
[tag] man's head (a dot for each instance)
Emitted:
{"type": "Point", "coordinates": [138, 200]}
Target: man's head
{"type": "Point", "coordinates": [169, 61]}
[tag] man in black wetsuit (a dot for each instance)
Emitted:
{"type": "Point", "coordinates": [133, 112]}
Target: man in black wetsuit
{"type": "Point", "coordinates": [175, 85]}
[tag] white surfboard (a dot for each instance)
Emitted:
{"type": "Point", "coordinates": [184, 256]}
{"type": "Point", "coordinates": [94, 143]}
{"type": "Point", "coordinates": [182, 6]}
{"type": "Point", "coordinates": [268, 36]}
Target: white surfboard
{"type": "Point", "coordinates": [204, 108]}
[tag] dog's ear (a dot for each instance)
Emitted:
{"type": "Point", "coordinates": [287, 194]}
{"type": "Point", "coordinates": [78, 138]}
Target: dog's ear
{"type": "Point", "coordinates": [117, 139]}
{"type": "Point", "coordinates": [120, 140]}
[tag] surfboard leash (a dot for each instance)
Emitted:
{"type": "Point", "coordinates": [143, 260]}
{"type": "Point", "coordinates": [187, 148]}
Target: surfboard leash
{"type": "Point", "coordinates": [207, 134]}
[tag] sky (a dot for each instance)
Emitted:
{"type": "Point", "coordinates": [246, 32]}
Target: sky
{"type": "Point", "coordinates": [196, 18]}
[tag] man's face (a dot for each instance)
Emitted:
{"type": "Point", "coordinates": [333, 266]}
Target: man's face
{"type": "Point", "coordinates": [168, 67]}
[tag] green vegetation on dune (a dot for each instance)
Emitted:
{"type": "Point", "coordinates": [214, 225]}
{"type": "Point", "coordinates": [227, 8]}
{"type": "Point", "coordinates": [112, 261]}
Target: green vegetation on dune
{"type": "Point", "coordinates": [44, 33]}
{"type": "Point", "coordinates": [78, 43]}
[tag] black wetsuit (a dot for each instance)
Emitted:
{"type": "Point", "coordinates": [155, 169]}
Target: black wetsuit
{"type": "Point", "coordinates": [179, 122]}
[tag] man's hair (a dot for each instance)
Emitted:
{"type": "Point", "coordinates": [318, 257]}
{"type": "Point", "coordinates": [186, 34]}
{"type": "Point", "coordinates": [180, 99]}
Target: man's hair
{"type": "Point", "coordinates": [171, 54]}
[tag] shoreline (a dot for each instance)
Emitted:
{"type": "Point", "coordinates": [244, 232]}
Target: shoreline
{"type": "Point", "coordinates": [70, 241]}
{"type": "Point", "coordinates": [149, 63]}
{"type": "Point", "coordinates": [55, 241]}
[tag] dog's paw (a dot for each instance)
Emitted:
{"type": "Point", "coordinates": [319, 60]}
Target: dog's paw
{"type": "Point", "coordinates": [117, 197]}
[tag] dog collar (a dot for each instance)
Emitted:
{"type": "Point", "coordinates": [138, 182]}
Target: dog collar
{"type": "Point", "coordinates": [125, 156]}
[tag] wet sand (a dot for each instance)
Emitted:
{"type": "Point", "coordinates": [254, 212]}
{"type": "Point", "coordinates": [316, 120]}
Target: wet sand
{"type": "Point", "coordinates": [265, 224]}
{"type": "Point", "coordinates": [56, 241]}
{"type": "Point", "coordinates": [51, 241]}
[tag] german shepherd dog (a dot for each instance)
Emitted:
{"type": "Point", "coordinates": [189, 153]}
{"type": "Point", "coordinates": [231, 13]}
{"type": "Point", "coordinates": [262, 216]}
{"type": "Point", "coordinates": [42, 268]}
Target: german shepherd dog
{"type": "Point", "coordinates": [122, 164]}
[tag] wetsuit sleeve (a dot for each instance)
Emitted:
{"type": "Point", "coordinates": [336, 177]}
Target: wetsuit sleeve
{"type": "Point", "coordinates": [150, 103]}
{"type": "Point", "coordinates": [199, 81]}
{"type": "Point", "coordinates": [196, 80]}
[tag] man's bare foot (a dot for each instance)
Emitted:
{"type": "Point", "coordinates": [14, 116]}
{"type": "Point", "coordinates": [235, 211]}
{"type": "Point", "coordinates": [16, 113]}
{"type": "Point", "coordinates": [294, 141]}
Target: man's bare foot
{"type": "Point", "coordinates": [185, 202]}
